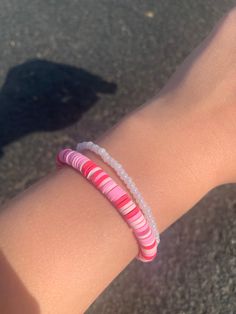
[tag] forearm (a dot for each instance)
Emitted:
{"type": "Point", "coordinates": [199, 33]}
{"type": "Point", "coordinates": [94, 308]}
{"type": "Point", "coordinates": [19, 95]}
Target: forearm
{"type": "Point", "coordinates": [63, 238]}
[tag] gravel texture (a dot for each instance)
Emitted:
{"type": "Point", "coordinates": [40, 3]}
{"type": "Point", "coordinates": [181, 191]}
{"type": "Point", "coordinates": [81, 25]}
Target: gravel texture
{"type": "Point", "coordinates": [68, 71]}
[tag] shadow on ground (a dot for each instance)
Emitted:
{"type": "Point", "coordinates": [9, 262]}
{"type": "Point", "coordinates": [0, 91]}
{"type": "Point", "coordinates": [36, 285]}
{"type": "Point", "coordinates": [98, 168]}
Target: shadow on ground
{"type": "Point", "coordinates": [40, 95]}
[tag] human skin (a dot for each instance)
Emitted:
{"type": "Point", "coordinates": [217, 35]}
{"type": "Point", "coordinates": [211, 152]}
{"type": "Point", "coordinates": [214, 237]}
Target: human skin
{"type": "Point", "coordinates": [62, 242]}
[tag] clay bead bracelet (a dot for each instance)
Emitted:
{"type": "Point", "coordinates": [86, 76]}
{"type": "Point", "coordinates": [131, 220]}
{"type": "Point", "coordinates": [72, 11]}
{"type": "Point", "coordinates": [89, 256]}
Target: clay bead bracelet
{"type": "Point", "coordinates": [126, 179]}
{"type": "Point", "coordinates": [120, 199]}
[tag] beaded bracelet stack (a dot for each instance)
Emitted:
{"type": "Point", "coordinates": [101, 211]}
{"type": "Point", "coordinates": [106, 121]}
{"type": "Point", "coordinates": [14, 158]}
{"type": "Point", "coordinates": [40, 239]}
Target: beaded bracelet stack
{"type": "Point", "coordinates": [137, 215]}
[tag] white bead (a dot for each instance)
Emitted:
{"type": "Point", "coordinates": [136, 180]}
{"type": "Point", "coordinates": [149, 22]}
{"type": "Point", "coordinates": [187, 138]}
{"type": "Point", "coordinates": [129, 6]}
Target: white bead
{"type": "Point", "coordinates": [122, 172]}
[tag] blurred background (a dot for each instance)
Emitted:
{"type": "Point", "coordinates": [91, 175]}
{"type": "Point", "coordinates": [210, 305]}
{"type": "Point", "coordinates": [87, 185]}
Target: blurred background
{"type": "Point", "coordinates": [68, 71]}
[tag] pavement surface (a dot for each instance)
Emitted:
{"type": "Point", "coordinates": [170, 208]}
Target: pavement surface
{"type": "Point", "coordinates": [68, 71]}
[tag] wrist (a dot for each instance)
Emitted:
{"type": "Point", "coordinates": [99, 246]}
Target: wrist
{"type": "Point", "coordinates": [168, 156]}
{"type": "Point", "coordinates": [195, 134]}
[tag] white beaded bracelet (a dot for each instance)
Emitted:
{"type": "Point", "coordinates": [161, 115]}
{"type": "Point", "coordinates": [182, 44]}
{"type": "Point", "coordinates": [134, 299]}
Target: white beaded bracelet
{"type": "Point", "coordinates": [126, 179]}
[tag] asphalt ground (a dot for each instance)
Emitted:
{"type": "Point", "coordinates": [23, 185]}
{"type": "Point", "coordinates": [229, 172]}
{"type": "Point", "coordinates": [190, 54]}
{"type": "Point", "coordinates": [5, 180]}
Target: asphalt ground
{"type": "Point", "coordinates": [68, 71]}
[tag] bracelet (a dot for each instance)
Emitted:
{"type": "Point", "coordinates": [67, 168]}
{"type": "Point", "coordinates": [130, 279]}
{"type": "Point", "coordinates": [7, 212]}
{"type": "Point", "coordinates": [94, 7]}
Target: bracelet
{"type": "Point", "coordinates": [124, 204]}
{"type": "Point", "coordinates": [126, 179]}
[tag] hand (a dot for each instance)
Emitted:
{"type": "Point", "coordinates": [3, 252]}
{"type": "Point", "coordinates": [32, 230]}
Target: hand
{"type": "Point", "coordinates": [200, 101]}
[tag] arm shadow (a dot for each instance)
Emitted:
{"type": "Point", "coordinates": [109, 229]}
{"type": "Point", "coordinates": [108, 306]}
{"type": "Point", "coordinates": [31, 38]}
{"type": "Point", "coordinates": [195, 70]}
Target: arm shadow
{"type": "Point", "coordinates": [14, 297]}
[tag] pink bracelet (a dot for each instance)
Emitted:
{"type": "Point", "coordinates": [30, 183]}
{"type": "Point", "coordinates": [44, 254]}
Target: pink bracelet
{"type": "Point", "coordinates": [120, 199]}
{"type": "Point", "coordinates": [120, 171]}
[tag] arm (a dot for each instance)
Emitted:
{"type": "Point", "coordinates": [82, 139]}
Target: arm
{"type": "Point", "coordinates": [61, 241]}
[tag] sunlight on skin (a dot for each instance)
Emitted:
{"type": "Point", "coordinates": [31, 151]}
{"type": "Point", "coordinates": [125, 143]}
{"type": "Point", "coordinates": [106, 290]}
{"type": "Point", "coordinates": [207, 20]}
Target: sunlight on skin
{"type": "Point", "coordinates": [66, 243]}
